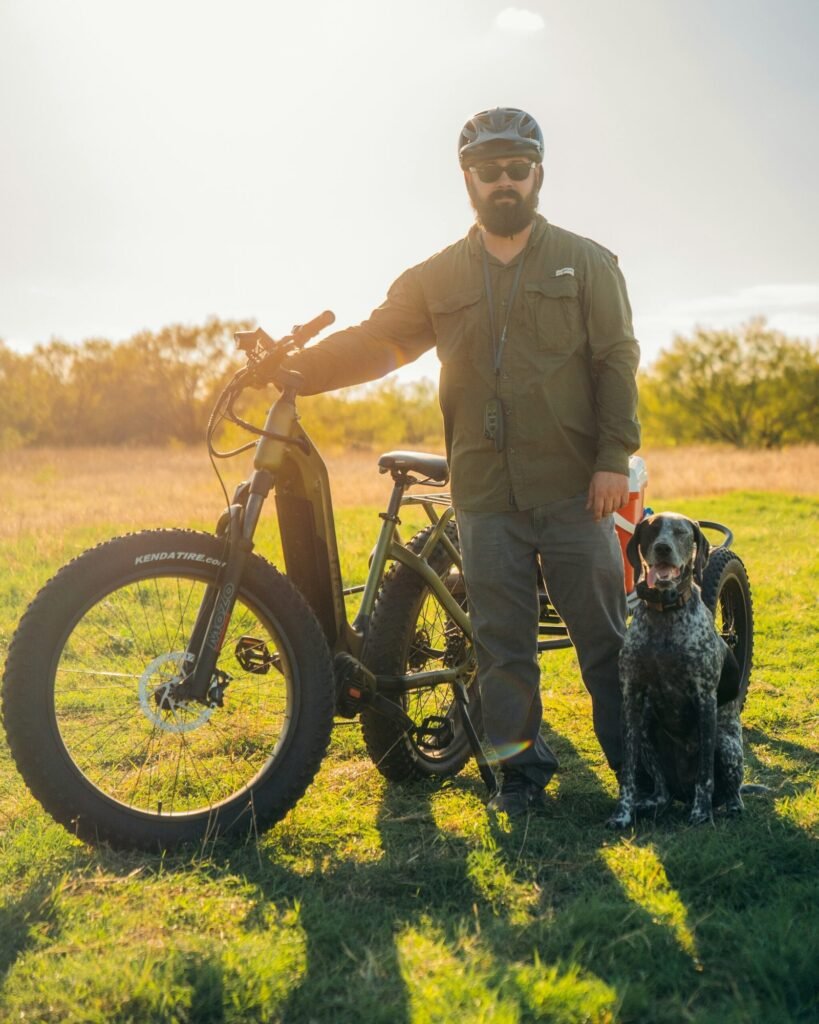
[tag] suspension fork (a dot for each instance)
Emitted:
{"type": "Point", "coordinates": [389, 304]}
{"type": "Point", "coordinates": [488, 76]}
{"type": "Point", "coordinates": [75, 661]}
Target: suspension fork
{"type": "Point", "coordinates": [204, 647]}
{"type": "Point", "coordinates": [242, 518]}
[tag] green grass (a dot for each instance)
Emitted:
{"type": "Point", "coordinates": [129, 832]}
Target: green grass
{"type": "Point", "coordinates": [374, 903]}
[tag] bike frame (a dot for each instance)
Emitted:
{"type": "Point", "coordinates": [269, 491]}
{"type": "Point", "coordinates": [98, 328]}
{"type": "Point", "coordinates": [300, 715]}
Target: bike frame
{"type": "Point", "coordinates": [287, 461]}
{"type": "Point", "coordinates": [311, 556]}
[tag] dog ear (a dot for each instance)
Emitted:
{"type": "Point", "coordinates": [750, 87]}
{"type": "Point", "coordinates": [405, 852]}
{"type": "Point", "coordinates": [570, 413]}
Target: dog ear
{"type": "Point", "coordinates": [633, 551]}
{"type": "Point", "coordinates": [703, 550]}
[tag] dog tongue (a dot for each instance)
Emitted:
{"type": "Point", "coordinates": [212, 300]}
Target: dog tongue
{"type": "Point", "coordinates": [661, 571]}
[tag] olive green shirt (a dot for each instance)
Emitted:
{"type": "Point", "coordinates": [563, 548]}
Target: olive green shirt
{"type": "Point", "coordinates": [567, 375]}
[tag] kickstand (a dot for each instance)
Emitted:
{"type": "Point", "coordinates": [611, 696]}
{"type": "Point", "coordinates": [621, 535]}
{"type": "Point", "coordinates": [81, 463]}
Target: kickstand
{"type": "Point", "coordinates": [487, 774]}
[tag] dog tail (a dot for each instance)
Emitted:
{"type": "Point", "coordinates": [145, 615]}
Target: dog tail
{"type": "Point", "coordinates": [754, 789]}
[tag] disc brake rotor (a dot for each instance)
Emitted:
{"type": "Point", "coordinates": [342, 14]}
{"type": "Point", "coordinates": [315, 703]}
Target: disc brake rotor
{"type": "Point", "coordinates": [166, 713]}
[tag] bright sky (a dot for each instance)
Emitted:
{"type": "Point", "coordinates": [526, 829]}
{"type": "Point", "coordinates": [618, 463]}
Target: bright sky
{"type": "Point", "coordinates": [165, 160]}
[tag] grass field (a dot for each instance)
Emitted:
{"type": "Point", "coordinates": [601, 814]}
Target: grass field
{"type": "Point", "coordinates": [373, 903]}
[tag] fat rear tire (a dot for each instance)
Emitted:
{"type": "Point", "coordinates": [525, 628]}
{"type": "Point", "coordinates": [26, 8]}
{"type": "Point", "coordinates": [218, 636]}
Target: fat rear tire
{"type": "Point", "coordinates": [82, 711]}
{"type": "Point", "coordinates": [410, 632]}
{"type": "Point", "coordinates": [727, 594]}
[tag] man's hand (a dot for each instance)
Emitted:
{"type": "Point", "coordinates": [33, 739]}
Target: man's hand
{"type": "Point", "coordinates": [607, 493]}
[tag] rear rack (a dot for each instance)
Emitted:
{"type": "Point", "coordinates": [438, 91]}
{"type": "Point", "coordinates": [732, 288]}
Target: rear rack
{"type": "Point", "coordinates": [706, 524]}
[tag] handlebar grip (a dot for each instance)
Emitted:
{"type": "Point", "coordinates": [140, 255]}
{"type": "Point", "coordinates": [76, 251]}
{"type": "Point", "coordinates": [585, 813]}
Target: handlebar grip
{"type": "Point", "coordinates": [304, 332]}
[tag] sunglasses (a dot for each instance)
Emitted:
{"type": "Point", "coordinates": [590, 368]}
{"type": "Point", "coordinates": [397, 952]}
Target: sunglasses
{"type": "Point", "coordinates": [518, 170]}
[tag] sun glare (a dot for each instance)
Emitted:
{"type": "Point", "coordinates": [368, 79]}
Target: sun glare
{"type": "Point", "coordinates": [519, 19]}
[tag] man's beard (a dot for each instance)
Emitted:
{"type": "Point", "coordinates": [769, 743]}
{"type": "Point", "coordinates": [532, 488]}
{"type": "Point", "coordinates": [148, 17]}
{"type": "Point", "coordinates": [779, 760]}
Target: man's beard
{"type": "Point", "coordinates": [504, 219]}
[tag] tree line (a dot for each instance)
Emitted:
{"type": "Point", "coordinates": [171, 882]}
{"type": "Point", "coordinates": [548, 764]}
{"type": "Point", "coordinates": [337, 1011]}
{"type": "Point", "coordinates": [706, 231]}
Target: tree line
{"type": "Point", "coordinates": [749, 387]}
{"type": "Point", "coordinates": [753, 387]}
{"type": "Point", "coordinates": [159, 387]}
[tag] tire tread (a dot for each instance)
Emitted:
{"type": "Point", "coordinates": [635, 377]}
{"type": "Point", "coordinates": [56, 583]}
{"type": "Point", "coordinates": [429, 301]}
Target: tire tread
{"type": "Point", "coordinates": [56, 791]}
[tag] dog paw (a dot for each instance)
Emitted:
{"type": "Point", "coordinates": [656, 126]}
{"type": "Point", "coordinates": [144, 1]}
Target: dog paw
{"type": "Point", "coordinates": [700, 816]}
{"type": "Point", "coordinates": [620, 819]}
{"type": "Point", "coordinates": [734, 805]}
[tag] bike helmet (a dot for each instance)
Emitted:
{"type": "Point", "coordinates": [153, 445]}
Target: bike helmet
{"type": "Point", "coordinates": [500, 132]}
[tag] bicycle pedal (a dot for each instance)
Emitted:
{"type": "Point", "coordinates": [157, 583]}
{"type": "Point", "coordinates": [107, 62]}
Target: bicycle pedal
{"type": "Point", "coordinates": [435, 732]}
{"type": "Point", "coordinates": [253, 655]}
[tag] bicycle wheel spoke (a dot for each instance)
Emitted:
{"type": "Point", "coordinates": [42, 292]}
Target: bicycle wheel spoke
{"type": "Point", "coordinates": [114, 602]}
{"type": "Point", "coordinates": [156, 750]}
{"type": "Point", "coordinates": [412, 634]}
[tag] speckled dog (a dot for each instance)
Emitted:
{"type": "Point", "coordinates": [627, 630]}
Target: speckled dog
{"type": "Point", "coordinates": [680, 682]}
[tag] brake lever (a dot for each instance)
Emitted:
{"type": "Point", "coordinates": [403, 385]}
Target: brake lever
{"type": "Point", "coordinates": [267, 369]}
{"type": "Point", "coordinates": [249, 341]}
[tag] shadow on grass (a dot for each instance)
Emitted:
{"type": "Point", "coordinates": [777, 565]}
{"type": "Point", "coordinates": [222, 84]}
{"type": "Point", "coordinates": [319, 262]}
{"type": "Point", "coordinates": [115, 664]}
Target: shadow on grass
{"type": "Point", "coordinates": [798, 762]}
{"type": "Point", "coordinates": [710, 922]}
{"type": "Point", "coordinates": [738, 897]}
{"type": "Point", "coordinates": [525, 913]}
{"type": "Point", "coordinates": [453, 914]}
{"type": "Point", "coordinates": [23, 920]}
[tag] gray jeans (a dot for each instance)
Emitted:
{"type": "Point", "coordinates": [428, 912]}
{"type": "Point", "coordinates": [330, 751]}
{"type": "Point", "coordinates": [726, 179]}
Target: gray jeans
{"type": "Point", "coordinates": [583, 568]}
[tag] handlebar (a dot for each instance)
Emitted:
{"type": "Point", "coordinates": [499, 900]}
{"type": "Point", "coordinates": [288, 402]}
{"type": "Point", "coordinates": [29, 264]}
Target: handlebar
{"type": "Point", "coordinates": [265, 356]}
{"type": "Point", "coordinates": [249, 341]}
{"type": "Point", "coordinates": [303, 333]}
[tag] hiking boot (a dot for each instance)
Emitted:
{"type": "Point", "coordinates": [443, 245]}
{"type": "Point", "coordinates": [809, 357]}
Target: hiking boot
{"type": "Point", "coordinates": [518, 795]}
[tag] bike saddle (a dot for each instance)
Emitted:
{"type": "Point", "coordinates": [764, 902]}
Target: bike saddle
{"type": "Point", "coordinates": [433, 467]}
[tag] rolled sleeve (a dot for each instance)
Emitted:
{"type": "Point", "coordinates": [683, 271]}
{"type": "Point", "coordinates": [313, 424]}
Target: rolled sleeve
{"type": "Point", "coordinates": [396, 333]}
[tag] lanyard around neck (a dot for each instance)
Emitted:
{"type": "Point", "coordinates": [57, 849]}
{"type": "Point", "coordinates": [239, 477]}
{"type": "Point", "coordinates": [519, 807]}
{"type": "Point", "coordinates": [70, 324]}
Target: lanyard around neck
{"type": "Point", "coordinates": [498, 344]}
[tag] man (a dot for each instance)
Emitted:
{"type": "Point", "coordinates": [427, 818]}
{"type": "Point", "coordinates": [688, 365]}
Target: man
{"type": "Point", "coordinates": [533, 330]}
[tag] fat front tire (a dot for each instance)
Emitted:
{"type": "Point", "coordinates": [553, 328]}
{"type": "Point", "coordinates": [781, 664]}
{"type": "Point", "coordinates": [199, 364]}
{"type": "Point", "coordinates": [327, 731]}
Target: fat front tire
{"type": "Point", "coordinates": [410, 633]}
{"type": "Point", "coordinates": [727, 594]}
{"type": "Point", "coordinates": [87, 710]}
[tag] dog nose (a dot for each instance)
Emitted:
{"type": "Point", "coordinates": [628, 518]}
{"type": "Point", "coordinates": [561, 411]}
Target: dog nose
{"type": "Point", "coordinates": [662, 550]}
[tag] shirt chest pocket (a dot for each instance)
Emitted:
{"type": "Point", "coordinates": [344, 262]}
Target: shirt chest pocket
{"type": "Point", "coordinates": [456, 320]}
{"type": "Point", "coordinates": [552, 309]}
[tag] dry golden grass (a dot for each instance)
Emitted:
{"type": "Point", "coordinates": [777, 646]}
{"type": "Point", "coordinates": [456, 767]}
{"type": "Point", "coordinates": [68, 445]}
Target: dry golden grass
{"type": "Point", "coordinates": [52, 490]}
{"type": "Point", "coordinates": [696, 470]}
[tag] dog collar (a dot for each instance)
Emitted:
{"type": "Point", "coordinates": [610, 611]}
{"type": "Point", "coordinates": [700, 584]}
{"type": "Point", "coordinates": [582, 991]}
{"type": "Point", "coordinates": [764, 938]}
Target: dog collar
{"type": "Point", "coordinates": [663, 600]}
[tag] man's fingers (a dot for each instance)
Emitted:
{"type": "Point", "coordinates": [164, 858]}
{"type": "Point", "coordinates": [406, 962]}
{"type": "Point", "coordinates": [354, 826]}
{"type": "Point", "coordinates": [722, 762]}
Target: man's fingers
{"type": "Point", "coordinates": [607, 493]}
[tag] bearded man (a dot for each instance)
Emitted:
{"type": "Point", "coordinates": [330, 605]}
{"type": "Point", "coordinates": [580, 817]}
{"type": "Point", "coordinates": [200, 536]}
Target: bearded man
{"type": "Point", "coordinates": [538, 360]}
